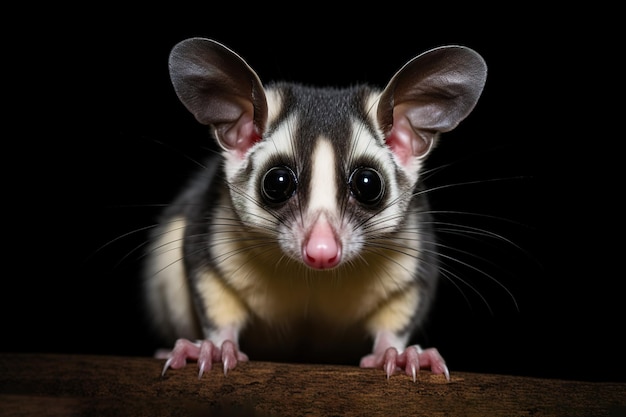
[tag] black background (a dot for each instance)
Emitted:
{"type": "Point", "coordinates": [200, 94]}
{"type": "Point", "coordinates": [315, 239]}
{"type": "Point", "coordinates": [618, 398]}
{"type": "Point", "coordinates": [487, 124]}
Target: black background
{"type": "Point", "coordinates": [96, 140]}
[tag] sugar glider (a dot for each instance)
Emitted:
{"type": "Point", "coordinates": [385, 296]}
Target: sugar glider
{"type": "Point", "coordinates": [308, 236]}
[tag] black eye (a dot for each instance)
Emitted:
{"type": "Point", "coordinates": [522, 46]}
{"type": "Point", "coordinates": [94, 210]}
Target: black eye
{"type": "Point", "coordinates": [367, 186]}
{"type": "Point", "coordinates": [278, 185]}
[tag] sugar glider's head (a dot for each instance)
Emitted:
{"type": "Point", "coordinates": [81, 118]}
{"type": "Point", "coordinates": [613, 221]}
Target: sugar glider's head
{"type": "Point", "coordinates": [325, 171]}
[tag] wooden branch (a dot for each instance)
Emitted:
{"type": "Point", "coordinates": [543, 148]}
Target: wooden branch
{"type": "Point", "coordinates": [48, 384]}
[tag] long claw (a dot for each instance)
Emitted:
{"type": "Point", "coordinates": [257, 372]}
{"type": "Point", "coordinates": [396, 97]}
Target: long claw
{"type": "Point", "coordinates": [436, 362]}
{"type": "Point", "coordinates": [206, 353]}
{"type": "Point", "coordinates": [446, 372]}
{"type": "Point", "coordinates": [226, 366]}
{"type": "Point", "coordinates": [201, 370]}
{"type": "Point", "coordinates": [166, 366]}
{"type": "Point", "coordinates": [410, 361]}
{"type": "Point", "coordinates": [205, 360]}
{"type": "Point", "coordinates": [390, 361]}
{"type": "Point", "coordinates": [229, 356]}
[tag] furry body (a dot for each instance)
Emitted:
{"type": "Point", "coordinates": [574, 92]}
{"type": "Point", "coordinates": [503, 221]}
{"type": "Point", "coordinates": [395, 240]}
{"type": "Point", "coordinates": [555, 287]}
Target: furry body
{"type": "Point", "coordinates": [309, 238]}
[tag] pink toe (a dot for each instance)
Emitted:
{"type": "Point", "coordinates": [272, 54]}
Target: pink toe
{"type": "Point", "coordinates": [183, 350]}
{"type": "Point", "coordinates": [205, 357]}
{"type": "Point", "coordinates": [391, 356]}
{"type": "Point", "coordinates": [412, 362]}
{"type": "Point", "coordinates": [372, 361]}
{"type": "Point", "coordinates": [231, 356]}
{"type": "Point", "coordinates": [206, 354]}
{"type": "Point", "coordinates": [431, 358]}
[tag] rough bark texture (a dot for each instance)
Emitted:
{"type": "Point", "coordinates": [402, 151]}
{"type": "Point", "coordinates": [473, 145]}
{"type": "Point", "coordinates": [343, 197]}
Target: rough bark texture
{"type": "Point", "coordinates": [50, 384]}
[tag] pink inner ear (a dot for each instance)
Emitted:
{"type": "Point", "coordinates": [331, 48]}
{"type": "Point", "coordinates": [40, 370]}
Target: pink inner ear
{"type": "Point", "coordinates": [240, 136]}
{"type": "Point", "coordinates": [398, 142]}
{"type": "Point", "coordinates": [404, 141]}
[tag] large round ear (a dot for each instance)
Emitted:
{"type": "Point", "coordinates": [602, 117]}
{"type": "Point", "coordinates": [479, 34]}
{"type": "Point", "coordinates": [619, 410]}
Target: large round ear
{"type": "Point", "coordinates": [432, 93]}
{"type": "Point", "coordinates": [221, 90]}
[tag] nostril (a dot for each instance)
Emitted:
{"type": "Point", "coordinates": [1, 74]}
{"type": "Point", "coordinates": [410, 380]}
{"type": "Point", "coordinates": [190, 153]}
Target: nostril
{"type": "Point", "coordinates": [333, 261]}
{"type": "Point", "coordinates": [321, 256]}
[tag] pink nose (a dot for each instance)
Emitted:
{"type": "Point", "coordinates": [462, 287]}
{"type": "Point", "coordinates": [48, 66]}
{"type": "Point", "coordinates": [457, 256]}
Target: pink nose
{"type": "Point", "coordinates": [321, 250]}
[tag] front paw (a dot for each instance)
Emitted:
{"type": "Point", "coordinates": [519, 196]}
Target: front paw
{"type": "Point", "coordinates": [206, 353]}
{"type": "Point", "coordinates": [411, 360]}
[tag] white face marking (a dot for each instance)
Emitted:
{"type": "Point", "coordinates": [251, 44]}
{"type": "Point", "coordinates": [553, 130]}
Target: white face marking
{"type": "Point", "coordinates": [274, 105]}
{"type": "Point", "coordinates": [371, 104]}
{"type": "Point", "coordinates": [323, 187]}
{"type": "Point", "coordinates": [263, 151]}
{"type": "Point", "coordinates": [279, 140]}
{"type": "Point", "coordinates": [414, 165]}
{"type": "Point", "coordinates": [303, 291]}
{"type": "Point", "coordinates": [364, 145]}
